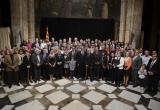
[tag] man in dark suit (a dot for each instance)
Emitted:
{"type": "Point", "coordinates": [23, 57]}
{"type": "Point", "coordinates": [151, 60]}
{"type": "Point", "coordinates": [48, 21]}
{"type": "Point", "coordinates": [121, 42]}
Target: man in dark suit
{"type": "Point", "coordinates": [37, 63]}
{"type": "Point", "coordinates": [80, 60]}
{"type": "Point", "coordinates": [2, 66]}
{"type": "Point", "coordinates": [59, 65]}
{"type": "Point", "coordinates": [44, 73]}
{"type": "Point", "coordinates": [27, 67]}
{"type": "Point", "coordinates": [153, 71]}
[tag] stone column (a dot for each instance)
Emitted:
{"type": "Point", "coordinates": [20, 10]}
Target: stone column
{"type": "Point", "coordinates": [31, 19]}
{"type": "Point", "coordinates": [122, 20]}
{"type": "Point", "coordinates": [15, 20]}
{"type": "Point", "coordinates": [130, 21]}
{"type": "Point", "coordinates": [22, 20]}
{"type": "Point", "coordinates": [136, 23]}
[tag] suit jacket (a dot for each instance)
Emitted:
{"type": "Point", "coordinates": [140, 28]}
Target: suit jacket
{"type": "Point", "coordinates": [26, 61]}
{"type": "Point", "coordinates": [136, 64]}
{"type": "Point", "coordinates": [80, 58]}
{"type": "Point", "coordinates": [8, 62]}
{"type": "Point", "coordinates": [155, 68]}
{"type": "Point", "coordinates": [35, 59]}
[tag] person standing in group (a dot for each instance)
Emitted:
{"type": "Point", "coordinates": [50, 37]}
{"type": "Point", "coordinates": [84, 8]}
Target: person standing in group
{"type": "Point", "coordinates": [112, 67]}
{"type": "Point", "coordinates": [11, 62]}
{"type": "Point", "coordinates": [153, 71]}
{"type": "Point", "coordinates": [44, 67]}
{"type": "Point", "coordinates": [51, 64]}
{"type": "Point", "coordinates": [146, 57]}
{"type": "Point", "coordinates": [119, 68]}
{"type": "Point", "coordinates": [37, 63]}
{"type": "Point", "coordinates": [136, 64]}
{"type": "Point", "coordinates": [27, 67]}
{"type": "Point", "coordinates": [127, 68]}
{"type": "Point", "coordinates": [72, 66]}
{"type": "Point", "coordinates": [59, 64]}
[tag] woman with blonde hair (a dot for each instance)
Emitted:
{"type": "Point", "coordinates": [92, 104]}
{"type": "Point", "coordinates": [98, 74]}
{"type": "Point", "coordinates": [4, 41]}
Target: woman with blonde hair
{"type": "Point", "coordinates": [127, 68]}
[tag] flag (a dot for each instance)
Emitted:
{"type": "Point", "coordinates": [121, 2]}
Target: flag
{"type": "Point", "coordinates": [47, 35]}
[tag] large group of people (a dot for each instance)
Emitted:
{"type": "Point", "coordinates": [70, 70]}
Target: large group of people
{"type": "Point", "coordinates": [80, 59]}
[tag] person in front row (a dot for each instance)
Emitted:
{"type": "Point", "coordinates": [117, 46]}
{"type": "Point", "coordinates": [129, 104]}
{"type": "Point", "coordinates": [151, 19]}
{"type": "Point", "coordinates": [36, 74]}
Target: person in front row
{"type": "Point", "coordinates": [153, 71]}
{"type": "Point", "coordinates": [72, 66]}
{"type": "Point", "coordinates": [37, 62]}
{"type": "Point", "coordinates": [59, 64]}
{"type": "Point", "coordinates": [127, 68]}
{"type": "Point", "coordinates": [11, 63]}
{"type": "Point", "coordinates": [27, 67]}
{"type": "Point", "coordinates": [51, 64]}
{"type": "Point", "coordinates": [142, 76]}
{"type": "Point", "coordinates": [119, 68]}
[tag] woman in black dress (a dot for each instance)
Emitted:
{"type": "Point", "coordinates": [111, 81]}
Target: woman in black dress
{"type": "Point", "coordinates": [51, 64]}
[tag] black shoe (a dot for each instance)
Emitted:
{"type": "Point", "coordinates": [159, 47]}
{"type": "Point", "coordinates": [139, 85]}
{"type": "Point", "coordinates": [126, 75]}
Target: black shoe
{"type": "Point", "coordinates": [153, 93]}
{"type": "Point", "coordinates": [135, 85]}
{"type": "Point", "coordinates": [147, 91]}
{"type": "Point", "coordinates": [10, 86]}
{"type": "Point", "coordinates": [17, 84]}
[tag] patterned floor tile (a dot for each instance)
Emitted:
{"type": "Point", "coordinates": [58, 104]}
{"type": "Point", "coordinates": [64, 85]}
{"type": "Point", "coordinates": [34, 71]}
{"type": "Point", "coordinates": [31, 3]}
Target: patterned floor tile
{"type": "Point", "coordinates": [154, 105]}
{"type": "Point", "coordinates": [76, 105]}
{"type": "Point", "coordinates": [57, 97]}
{"type": "Point", "coordinates": [107, 88]}
{"type": "Point", "coordinates": [44, 88]}
{"type": "Point", "coordinates": [129, 96]}
{"type": "Point", "coordinates": [33, 105]}
{"type": "Point", "coordinates": [76, 88]}
{"type": "Point", "coordinates": [117, 105]}
{"type": "Point", "coordinates": [19, 96]}
{"type": "Point", "coordinates": [94, 97]}
{"type": "Point", "coordinates": [62, 82]}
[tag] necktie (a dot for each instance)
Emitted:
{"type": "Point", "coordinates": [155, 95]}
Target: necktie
{"type": "Point", "coordinates": [152, 63]}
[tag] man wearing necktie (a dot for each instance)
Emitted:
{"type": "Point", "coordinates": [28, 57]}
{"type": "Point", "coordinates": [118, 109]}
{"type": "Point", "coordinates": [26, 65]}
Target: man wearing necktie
{"type": "Point", "coordinates": [37, 63]}
{"type": "Point", "coordinates": [153, 71]}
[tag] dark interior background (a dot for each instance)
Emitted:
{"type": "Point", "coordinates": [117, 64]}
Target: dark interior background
{"type": "Point", "coordinates": [78, 27]}
{"type": "Point", "coordinates": [5, 13]}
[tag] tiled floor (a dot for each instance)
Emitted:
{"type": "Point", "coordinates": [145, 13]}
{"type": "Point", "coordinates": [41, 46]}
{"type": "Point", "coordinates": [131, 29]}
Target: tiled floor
{"type": "Point", "coordinates": [94, 97]}
{"type": "Point", "coordinates": [44, 88]}
{"type": "Point", "coordinates": [67, 94]}
{"type": "Point", "coordinates": [76, 105]}
{"type": "Point", "coordinates": [76, 88]}
{"type": "Point", "coordinates": [33, 105]}
{"type": "Point", "coordinates": [117, 105]}
{"type": "Point", "coordinates": [130, 96]}
{"type": "Point", "coordinates": [57, 97]}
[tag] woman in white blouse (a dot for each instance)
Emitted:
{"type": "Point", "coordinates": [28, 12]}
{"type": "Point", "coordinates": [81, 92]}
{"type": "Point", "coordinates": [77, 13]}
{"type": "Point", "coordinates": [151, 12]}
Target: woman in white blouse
{"type": "Point", "coordinates": [119, 68]}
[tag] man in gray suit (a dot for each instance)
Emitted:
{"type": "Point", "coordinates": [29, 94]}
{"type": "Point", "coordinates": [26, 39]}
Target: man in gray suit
{"type": "Point", "coordinates": [137, 62]}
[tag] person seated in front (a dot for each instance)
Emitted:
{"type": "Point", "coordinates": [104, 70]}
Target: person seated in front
{"type": "Point", "coordinates": [142, 76]}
